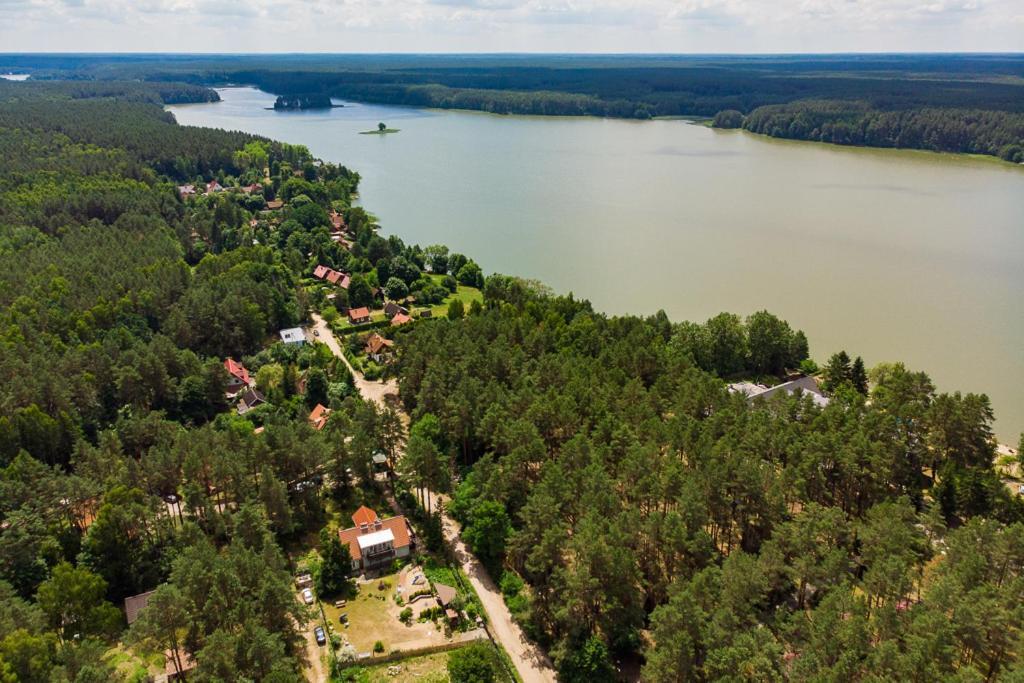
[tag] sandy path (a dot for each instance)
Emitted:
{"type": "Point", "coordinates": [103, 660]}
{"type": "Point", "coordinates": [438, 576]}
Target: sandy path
{"type": "Point", "coordinates": [316, 671]}
{"type": "Point", "coordinates": [369, 390]}
{"type": "Point", "coordinates": [530, 661]}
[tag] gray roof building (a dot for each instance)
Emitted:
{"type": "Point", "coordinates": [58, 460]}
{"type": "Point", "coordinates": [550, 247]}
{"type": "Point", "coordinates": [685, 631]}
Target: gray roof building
{"type": "Point", "coordinates": [293, 335]}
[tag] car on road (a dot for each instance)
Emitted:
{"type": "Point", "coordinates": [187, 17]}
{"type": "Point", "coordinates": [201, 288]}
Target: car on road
{"type": "Point", "coordinates": [321, 637]}
{"type": "Point", "coordinates": [316, 333]}
{"type": "Point", "coordinates": [307, 596]}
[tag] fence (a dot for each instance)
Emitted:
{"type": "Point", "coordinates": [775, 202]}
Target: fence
{"type": "Point", "coordinates": [398, 655]}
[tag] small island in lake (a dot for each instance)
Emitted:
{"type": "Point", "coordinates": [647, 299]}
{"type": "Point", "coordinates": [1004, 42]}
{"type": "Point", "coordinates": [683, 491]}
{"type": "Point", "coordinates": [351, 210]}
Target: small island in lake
{"type": "Point", "coordinates": [382, 129]}
{"type": "Point", "coordinates": [310, 101]}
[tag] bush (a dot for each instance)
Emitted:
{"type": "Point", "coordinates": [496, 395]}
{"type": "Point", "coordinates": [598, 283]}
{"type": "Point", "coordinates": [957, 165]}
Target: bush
{"type": "Point", "coordinates": [378, 647]}
{"type": "Point", "coordinates": [510, 584]}
{"type": "Point", "coordinates": [519, 606]}
{"type": "Point", "coordinates": [471, 664]}
{"type": "Point", "coordinates": [406, 616]}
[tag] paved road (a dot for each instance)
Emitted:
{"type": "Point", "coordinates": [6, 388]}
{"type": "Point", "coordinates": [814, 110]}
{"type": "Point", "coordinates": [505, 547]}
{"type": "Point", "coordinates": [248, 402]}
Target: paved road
{"type": "Point", "coordinates": [530, 661]}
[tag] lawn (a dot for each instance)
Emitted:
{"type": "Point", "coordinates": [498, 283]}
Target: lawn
{"type": "Point", "coordinates": [133, 667]}
{"type": "Point", "coordinates": [373, 616]}
{"type": "Point", "coordinates": [467, 295]}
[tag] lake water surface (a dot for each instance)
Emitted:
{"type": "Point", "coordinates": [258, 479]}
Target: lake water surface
{"type": "Point", "coordinates": [890, 255]}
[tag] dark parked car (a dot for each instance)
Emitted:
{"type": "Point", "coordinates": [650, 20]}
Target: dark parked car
{"type": "Point", "coordinates": [321, 637]}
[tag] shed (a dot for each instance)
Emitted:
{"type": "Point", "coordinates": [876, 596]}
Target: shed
{"type": "Point", "coordinates": [293, 335]}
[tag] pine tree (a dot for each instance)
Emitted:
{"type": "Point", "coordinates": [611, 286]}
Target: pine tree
{"type": "Point", "coordinates": [859, 376]}
{"type": "Point", "coordinates": [837, 371]}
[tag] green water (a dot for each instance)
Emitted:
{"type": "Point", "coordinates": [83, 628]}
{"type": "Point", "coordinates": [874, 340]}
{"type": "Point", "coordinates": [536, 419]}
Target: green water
{"type": "Point", "coordinates": [891, 255]}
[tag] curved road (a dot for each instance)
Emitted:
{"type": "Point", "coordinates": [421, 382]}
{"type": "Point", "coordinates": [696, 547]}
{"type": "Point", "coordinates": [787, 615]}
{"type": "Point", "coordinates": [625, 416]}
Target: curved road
{"type": "Point", "coordinates": [530, 661]}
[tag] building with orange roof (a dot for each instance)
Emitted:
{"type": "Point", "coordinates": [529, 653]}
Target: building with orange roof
{"type": "Point", "coordinates": [373, 542]}
{"type": "Point", "coordinates": [238, 377]}
{"type": "Point", "coordinates": [318, 418]}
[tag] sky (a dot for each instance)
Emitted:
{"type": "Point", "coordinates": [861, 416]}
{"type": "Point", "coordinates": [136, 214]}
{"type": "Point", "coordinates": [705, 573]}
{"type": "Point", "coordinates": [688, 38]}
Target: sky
{"type": "Point", "coordinates": [671, 26]}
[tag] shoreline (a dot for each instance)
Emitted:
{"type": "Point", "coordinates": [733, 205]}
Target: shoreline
{"type": "Point", "coordinates": [695, 119]}
{"type": "Point", "coordinates": [1005, 428]}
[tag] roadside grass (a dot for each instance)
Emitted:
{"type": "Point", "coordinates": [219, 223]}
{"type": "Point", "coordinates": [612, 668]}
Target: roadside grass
{"type": "Point", "coordinates": [425, 669]}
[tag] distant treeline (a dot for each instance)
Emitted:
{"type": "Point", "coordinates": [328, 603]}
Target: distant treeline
{"type": "Point", "coordinates": [962, 103]}
{"type": "Point", "coordinates": [121, 115]}
{"type": "Point", "coordinates": [972, 131]}
{"type": "Point", "coordinates": [157, 92]}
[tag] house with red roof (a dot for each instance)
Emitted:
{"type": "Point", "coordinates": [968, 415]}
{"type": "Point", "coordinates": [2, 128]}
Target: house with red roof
{"type": "Point", "coordinates": [375, 543]}
{"type": "Point", "coordinates": [358, 316]}
{"type": "Point", "coordinates": [340, 279]}
{"type": "Point", "coordinates": [318, 418]}
{"type": "Point", "coordinates": [337, 221]}
{"type": "Point", "coordinates": [238, 377]}
{"type": "Point", "coordinates": [335, 277]}
{"type": "Point", "coordinates": [214, 186]}
{"type": "Point", "coordinates": [400, 319]}
{"type": "Point", "coordinates": [378, 347]}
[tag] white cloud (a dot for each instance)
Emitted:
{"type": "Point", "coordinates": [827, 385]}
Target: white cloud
{"type": "Point", "coordinates": [512, 25]}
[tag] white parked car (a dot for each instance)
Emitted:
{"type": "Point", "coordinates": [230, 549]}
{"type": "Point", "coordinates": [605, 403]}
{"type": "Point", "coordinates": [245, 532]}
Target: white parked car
{"type": "Point", "coordinates": [307, 596]}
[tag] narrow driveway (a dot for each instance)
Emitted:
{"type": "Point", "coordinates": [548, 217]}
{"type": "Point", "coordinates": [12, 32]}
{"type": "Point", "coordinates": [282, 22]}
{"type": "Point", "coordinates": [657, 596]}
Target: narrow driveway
{"type": "Point", "coordinates": [530, 661]}
{"type": "Point", "coordinates": [315, 670]}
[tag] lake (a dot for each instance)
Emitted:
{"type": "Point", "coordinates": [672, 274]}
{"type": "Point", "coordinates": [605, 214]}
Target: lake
{"type": "Point", "coordinates": [891, 255]}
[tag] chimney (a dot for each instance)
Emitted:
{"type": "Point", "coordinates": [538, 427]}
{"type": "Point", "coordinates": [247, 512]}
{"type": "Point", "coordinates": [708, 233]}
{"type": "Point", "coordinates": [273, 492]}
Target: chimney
{"type": "Point", "coordinates": [362, 528]}
{"type": "Point", "coordinates": [377, 524]}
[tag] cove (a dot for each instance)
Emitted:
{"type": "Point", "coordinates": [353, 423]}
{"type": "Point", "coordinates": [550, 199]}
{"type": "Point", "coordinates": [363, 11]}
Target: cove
{"type": "Point", "coordinates": [891, 255]}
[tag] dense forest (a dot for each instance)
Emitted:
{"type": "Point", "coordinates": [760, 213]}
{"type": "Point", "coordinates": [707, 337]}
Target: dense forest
{"type": "Point", "coordinates": [973, 131]}
{"type": "Point", "coordinates": [123, 467]}
{"type": "Point", "coordinates": [635, 511]}
{"type": "Point", "coordinates": [654, 514]}
{"type": "Point", "coordinates": [952, 103]}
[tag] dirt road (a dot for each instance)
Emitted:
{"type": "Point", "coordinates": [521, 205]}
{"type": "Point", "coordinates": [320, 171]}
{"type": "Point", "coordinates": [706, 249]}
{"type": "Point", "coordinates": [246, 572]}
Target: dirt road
{"type": "Point", "coordinates": [530, 661]}
{"type": "Point", "coordinates": [369, 390]}
{"type": "Point", "coordinates": [316, 671]}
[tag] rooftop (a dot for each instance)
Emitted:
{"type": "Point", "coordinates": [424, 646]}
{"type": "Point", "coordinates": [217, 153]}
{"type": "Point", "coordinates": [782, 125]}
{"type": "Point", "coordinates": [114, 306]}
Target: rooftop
{"type": "Point", "coordinates": [375, 538]}
{"type": "Point", "coordinates": [292, 335]}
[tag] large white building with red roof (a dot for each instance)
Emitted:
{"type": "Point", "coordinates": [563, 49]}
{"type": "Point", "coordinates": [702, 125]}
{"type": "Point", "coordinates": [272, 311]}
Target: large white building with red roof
{"type": "Point", "coordinates": [238, 377]}
{"type": "Point", "coordinates": [373, 542]}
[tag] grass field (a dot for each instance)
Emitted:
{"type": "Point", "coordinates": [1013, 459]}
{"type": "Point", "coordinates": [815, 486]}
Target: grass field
{"type": "Point", "coordinates": [426, 669]}
{"type": "Point", "coordinates": [372, 618]}
{"type": "Point", "coordinates": [467, 295]}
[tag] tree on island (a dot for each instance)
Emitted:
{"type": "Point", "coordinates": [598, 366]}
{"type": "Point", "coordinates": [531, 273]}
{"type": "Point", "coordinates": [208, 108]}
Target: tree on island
{"type": "Point", "coordinates": [382, 127]}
